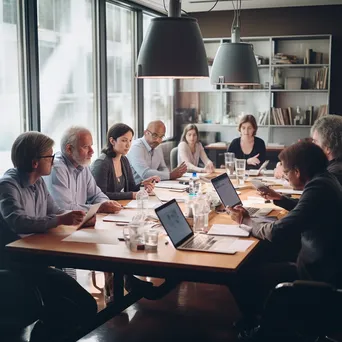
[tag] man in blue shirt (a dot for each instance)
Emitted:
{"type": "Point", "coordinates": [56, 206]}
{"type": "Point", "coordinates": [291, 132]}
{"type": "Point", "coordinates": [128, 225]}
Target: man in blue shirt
{"type": "Point", "coordinates": [71, 182]}
{"type": "Point", "coordinates": [147, 159]}
{"type": "Point", "coordinates": [26, 207]}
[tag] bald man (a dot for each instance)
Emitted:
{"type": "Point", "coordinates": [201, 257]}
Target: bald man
{"type": "Point", "coordinates": [147, 159]}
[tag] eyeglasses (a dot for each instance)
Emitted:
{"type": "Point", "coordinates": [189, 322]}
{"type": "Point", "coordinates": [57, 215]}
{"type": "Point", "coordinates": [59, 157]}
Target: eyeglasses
{"type": "Point", "coordinates": [52, 157]}
{"type": "Point", "coordinates": [156, 136]}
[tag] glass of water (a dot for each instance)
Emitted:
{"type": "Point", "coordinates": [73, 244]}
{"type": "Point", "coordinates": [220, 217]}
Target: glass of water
{"type": "Point", "coordinates": [240, 169]}
{"type": "Point", "coordinates": [229, 162]}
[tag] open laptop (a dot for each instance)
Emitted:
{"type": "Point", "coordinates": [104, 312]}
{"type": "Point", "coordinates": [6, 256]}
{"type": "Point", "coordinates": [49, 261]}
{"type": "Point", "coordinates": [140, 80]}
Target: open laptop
{"type": "Point", "coordinates": [257, 172]}
{"type": "Point", "coordinates": [182, 236]}
{"type": "Point", "coordinates": [229, 197]}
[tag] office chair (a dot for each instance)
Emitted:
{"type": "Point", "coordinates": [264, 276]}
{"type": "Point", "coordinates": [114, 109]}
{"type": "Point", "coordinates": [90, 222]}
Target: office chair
{"type": "Point", "coordinates": [174, 158]}
{"type": "Point", "coordinates": [305, 309]}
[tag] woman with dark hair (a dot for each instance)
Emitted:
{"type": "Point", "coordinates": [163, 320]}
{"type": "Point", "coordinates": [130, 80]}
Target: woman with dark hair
{"type": "Point", "coordinates": [190, 151]}
{"type": "Point", "coordinates": [248, 146]}
{"type": "Point", "coordinates": [112, 171]}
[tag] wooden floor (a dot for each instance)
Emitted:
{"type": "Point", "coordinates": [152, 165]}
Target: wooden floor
{"type": "Point", "coordinates": [192, 312]}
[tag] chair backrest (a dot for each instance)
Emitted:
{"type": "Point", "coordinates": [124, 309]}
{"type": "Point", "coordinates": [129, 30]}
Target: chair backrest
{"type": "Point", "coordinates": [306, 307]}
{"type": "Point", "coordinates": [174, 157]}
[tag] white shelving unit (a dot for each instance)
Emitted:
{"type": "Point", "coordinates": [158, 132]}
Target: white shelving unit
{"type": "Point", "coordinates": [221, 107]}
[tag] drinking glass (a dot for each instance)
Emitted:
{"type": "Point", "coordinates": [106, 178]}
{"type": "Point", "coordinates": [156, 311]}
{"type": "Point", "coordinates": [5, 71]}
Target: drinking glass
{"type": "Point", "coordinates": [229, 158]}
{"type": "Point", "coordinates": [240, 169]}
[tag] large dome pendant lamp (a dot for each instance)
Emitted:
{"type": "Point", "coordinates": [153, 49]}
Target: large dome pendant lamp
{"type": "Point", "coordinates": [235, 63]}
{"type": "Point", "coordinates": [173, 48]}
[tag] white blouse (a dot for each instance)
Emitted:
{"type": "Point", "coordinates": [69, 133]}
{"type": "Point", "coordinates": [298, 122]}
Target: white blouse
{"type": "Point", "coordinates": [192, 159]}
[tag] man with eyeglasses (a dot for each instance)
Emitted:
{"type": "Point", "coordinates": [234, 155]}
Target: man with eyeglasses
{"type": "Point", "coordinates": [26, 207]}
{"type": "Point", "coordinates": [316, 217]}
{"type": "Point", "coordinates": [146, 157]}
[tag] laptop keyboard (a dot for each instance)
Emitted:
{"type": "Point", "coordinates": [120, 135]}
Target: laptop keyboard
{"type": "Point", "coordinates": [260, 211]}
{"type": "Point", "coordinates": [202, 242]}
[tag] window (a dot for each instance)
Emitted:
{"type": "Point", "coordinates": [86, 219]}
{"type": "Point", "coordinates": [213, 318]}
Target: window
{"type": "Point", "coordinates": [65, 35]}
{"type": "Point", "coordinates": [120, 65]}
{"type": "Point", "coordinates": [158, 96]}
{"type": "Point", "coordinates": [10, 100]}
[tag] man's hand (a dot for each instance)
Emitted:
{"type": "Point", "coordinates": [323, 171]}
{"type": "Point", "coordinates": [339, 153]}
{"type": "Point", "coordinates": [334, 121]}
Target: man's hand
{"type": "Point", "coordinates": [178, 171]}
{"type": "Point", "coordinates": [90, 223]}
{"type": "Point", "coordinates": [253, 160]}
{"type": "Point", "coordinates": [238, 213]}
{"type": "Point", "coordinates": [269, 194]}
{"type": "Point", "coordinates": [71, 218]}
{"type": "Point", "coordinates": [110, 207]}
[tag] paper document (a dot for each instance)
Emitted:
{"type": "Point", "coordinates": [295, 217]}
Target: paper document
{"type": "Point", "coordinates": [168, 195]}
{"type": "Point", "coordinates": [241, 245]}
{"type": "Point", "coordinates": [229, 230]}
{"type": "Point", "coordinates": [93, 236]}
{"type": "Point", "coordinates": [152, 204]}
{"type": "Point", "coordinates": [289, 191]}
{"type": "Point", "coordinates": [125, 215]}
{"type": "Point", "coordinates": [170, 185]}
{"type": "Point", "coordinates": [91, 212]}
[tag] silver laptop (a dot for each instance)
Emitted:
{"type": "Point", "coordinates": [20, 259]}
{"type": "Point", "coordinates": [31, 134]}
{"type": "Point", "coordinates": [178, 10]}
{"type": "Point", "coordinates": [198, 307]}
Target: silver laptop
{"type": "Point", "coordinates": [182, 236]}
{"type": "Point", "coordinates": [229, 197]}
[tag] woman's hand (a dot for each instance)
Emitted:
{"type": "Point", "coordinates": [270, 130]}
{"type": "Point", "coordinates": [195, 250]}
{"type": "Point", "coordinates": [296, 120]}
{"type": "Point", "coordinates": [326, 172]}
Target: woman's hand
{"type": "Point", "coordinates": [149, 183]}
{"type": "Point", "coordinates": [269, 194]}
{"type": "Point", "coordinates": [253, 160]}
{"type": "Point", "coordinates": [238, 213]}
{"type": "Point", "coordinates": [209, 168]}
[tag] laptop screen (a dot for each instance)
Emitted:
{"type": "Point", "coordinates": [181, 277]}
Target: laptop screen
{"type": "Point", "coordinates": [225, 189]}
{"type": "Point", "coordinates": [174, 222]}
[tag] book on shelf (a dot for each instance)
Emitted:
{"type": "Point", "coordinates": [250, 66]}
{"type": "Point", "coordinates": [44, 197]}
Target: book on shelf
{"type": "Point", "coordinates": [321, 78]}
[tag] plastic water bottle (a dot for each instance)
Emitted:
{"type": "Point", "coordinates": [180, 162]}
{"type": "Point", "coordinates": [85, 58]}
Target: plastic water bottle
{"type": "Point", "coordinates": [142, 200]}
{"type": "Point", "coordinates": [192, 185]}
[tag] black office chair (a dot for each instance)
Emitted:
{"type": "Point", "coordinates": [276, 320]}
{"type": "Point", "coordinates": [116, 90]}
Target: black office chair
{"type": "Point", "coordinates": [302, 310]}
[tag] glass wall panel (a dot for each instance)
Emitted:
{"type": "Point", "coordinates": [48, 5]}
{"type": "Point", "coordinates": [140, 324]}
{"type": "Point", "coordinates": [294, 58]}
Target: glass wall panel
{"type": "Point", "coordinates": [12, 118]}
{"type": "Point", "coordinates": [120, 65]}
{"type": "Point", "coordinates": [158, 96]}
{"type": "Point", "coordinates": [66, 56]}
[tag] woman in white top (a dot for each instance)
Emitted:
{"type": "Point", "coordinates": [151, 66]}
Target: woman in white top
{"type": "Point", "coordinates": [190, 151]}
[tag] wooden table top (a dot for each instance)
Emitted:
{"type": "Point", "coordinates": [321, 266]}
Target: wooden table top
{"type": "Point", "coordinates": [51, 244]}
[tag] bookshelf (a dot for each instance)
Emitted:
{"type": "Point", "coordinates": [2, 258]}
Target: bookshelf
{"type": "Point", "coordinates": [294, 76]}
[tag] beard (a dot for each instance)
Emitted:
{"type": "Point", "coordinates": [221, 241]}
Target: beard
{"type": "Point", "coordinates": [81, 161]}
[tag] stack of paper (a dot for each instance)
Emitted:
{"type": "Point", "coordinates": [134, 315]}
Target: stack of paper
{"type": "Point", "coordinates": [171, 185]}
{"type": "Point", "coordinates": [289, 191]}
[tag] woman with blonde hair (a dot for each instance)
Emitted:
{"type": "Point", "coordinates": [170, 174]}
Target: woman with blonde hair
{"type": "Point", "coordinates": [190, 151]}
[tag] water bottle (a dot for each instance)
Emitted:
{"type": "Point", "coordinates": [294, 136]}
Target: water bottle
{"type": "Point", "coordinates": [192, 185]}
{"type": "Point", "coordinates": [142, 200]}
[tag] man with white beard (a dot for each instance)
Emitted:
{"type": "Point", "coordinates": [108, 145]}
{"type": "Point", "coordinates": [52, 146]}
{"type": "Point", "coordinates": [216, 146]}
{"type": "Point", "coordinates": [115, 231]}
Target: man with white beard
{"type": "Point", "coordinates": [71, 183]}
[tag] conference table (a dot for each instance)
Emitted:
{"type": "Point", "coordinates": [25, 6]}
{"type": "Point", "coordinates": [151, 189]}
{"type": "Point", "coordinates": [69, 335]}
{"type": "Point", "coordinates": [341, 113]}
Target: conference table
{"type": "Point", "coordinates": [174, 266]}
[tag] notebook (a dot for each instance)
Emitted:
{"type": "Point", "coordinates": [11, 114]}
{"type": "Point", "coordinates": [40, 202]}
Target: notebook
{"type": "Point", "coordinates": [182, 236]}
{"type": "Point", "coordinates": [229, 197]}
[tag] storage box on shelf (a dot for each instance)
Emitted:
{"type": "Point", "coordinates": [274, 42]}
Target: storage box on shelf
{"type": "Point", "coordinates": [294, 90]}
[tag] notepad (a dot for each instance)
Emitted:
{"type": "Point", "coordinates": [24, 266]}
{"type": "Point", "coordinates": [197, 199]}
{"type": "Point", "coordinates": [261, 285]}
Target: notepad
{"type": "Point", "coordinates": [230, 230]}
{"type": "Point", "coordinates": [91, 212]}
{"type": "Point", "coordinates": [171, 185]}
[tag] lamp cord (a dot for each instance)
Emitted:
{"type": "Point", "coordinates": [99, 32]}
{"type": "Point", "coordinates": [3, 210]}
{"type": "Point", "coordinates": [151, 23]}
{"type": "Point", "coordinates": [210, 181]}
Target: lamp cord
{"type": "Point", "coordinates": [213, 6]}
{"type": "Point", "coordinates": [188, 13]}
{"type": "Point", "coordinates": [237, 12]}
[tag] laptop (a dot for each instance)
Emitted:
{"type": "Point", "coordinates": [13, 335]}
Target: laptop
{"type": "Point", "coordinates": [182, 236]}
{"type": "Point", "coordinates": [229, 197]}
{"type": "Point", "coordinates": [257, 172]}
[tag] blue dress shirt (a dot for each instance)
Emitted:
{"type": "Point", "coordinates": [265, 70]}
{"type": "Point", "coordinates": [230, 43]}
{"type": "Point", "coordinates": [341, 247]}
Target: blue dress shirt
{"type": "Point", "coordinates": [25, 208]}
{"type": "Point", "coordinates": [73, 188]}
{"type": "Point", "coordinates": [147, 162]}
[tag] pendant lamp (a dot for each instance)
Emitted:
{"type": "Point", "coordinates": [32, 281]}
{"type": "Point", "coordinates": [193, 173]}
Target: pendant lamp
{"type": "Point", "coordinates": [173, 48]}
{"type": "Point", "coordinates": [234, 63]}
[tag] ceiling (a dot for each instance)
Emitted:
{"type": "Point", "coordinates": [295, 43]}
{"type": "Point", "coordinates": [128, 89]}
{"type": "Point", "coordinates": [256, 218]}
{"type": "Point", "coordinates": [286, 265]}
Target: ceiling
{"type": "Point", "coordinates": [205, 5]}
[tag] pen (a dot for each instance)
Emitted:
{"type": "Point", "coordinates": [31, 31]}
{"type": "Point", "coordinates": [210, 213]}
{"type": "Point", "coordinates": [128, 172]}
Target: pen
{"type": "Point", "coordinates": [166, 242]}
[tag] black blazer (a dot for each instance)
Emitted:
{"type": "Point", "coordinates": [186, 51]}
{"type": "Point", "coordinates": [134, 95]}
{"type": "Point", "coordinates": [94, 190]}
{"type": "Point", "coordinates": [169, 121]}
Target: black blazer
{"type": "Point", "coordinates": [104, 173]}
